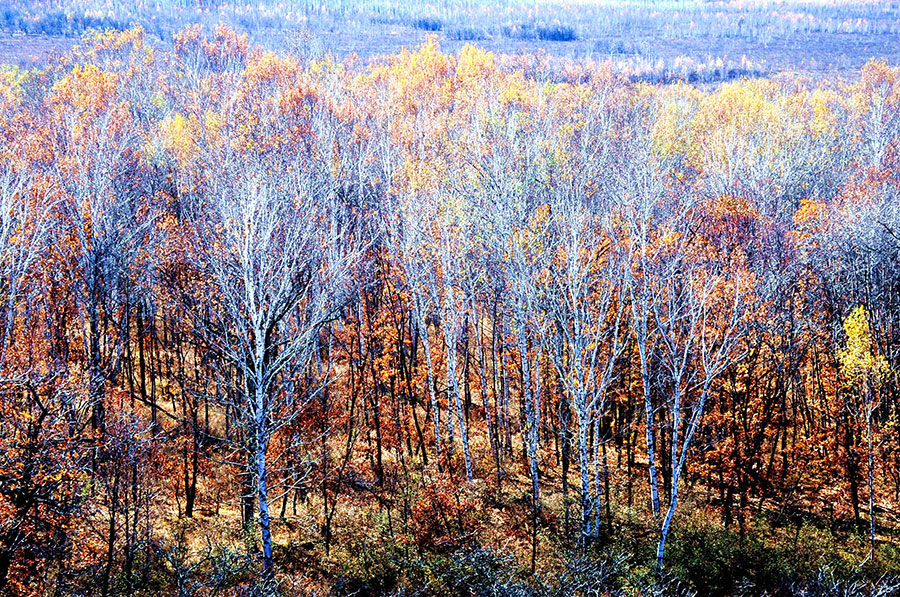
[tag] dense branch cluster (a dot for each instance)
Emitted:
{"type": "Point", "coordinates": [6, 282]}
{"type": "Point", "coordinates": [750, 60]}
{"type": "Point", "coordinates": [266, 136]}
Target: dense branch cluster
{"type": "Point", "coordinates": [449, 297]}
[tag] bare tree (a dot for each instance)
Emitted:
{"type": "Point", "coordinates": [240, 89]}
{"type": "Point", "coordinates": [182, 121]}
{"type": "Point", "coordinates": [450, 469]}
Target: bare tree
{"type": "Point", "coordinates": [407, 227]}
{"type": "Point", "coordinates": [697, 310]}
{"type": "Point", "coordinates": [23, 229]}
{"type": "Point", "coordinates": [643, 186]}
{"type": "Point", "coordinates": [276, 253]}
{"type": "Point", "coordinates": [103, 233]}
{"type": "Point", "coordinates": [582, 302]}
{"type": "Point", "coordinates": [582, 330]}
{"type": "Point", "coordinates": [449, 255]}
{"type": "Point", "coordinates": [510, 184]}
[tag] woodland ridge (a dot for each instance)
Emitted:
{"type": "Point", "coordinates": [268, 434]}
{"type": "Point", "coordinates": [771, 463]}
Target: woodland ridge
{"type": "Point", "coordinates": [444, 323]}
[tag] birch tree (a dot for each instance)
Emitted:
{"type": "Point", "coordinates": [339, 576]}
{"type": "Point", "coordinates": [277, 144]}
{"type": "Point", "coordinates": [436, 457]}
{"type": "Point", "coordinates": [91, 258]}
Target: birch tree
{"type": "Point", "coordinates": [104, 221]}
{"type": "Point", "coordinates": [584, 316]}
{"type": "Point", "coordinates": [275, 250]}
{"type": "Point", "coordinates": [642, 186]}
{"type": "Point", "coordinates": [697, 311]}
{"type": "Point", "coordinates": [406, 237]}
{"type": "Point", "coordinates": [23, 229]}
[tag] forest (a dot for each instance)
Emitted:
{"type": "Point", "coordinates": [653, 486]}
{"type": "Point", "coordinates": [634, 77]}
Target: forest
{"type": "Point", "coordinates": [444, 323]}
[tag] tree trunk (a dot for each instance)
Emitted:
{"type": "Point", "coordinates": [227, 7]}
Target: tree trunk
{"type": "Point", "coordinates": [651, 450]}
{"type": "Point", "coordinates": [667, 523]}
{"type": "Point", "coordinates": [426, 344]}
{"type": "Point", "coordinates": [453, 384]}
{"type": "Point", "coordinates": [262, 493]}
{"type": "Point", "coordinates": [871, 459]}
{"type": "Point", "coordinates": [584, 466]}
{"type": "Point", "coordinates": [97, 381]}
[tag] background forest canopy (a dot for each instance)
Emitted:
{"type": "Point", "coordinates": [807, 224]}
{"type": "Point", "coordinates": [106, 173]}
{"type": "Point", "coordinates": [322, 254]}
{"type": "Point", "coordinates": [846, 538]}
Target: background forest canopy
{"type": "Point", "coordinates": [443, 323]}
{"type": "Point", "coordinates": [648, 40]}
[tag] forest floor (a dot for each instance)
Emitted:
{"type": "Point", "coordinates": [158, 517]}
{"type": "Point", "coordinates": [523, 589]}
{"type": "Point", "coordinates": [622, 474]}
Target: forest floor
{"type": "Point", "coordinates": [412, 516]}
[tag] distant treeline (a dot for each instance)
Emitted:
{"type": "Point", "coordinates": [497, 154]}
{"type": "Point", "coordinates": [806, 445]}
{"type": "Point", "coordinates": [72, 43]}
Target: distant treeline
{"type": "Point", "coordinates": [544, 21]}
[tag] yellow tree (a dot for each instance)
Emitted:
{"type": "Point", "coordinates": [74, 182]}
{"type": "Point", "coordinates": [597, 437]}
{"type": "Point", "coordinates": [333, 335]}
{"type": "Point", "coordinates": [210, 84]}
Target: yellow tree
{"type": "Point", "coordinates": [863, 370]}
